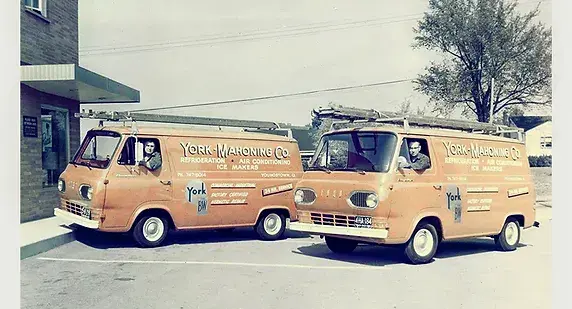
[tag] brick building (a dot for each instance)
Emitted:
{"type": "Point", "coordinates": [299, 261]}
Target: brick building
{"type": "Point", "coordinates": [53, 86]}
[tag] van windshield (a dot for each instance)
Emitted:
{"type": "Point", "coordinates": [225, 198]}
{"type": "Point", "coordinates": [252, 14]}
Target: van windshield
{"type": "Point", "coordinates": [97, 149]}
{"type": "Point", "coordinates": [355, 151]}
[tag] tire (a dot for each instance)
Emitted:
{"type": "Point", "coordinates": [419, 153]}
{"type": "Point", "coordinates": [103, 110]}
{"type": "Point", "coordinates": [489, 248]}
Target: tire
{"type": "Point", "coordinates": [340, 245]}
{"type": "Point", "coordinates": [150, 231]}
{"type": "Point", "coordinates": [422, 245]}
{"type": "Point", "coordinates": [509, 237]}
{"type": "Point", "coordinates": [271, 226]}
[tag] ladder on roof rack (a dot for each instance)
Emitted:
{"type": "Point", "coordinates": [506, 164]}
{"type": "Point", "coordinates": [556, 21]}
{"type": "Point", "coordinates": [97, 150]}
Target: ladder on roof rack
{"type": "Point", "coordinates": [349, 115]}
{"type": "Point", "coordinates": [192, 120]}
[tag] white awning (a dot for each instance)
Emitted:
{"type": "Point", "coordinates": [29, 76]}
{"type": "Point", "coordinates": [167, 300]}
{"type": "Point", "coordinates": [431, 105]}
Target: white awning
{"type": "Point", "coordinates": [74, 82]}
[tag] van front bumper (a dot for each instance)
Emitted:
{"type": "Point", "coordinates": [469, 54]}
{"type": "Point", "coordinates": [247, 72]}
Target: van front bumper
{"type": "Point", "coordinates": [337, 230]}
{"type": "Point", "coordinates": [79, 220]}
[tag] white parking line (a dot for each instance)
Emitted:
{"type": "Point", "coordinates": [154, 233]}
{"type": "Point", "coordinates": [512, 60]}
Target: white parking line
{"type": "Point", "coordinates": [211, 263]}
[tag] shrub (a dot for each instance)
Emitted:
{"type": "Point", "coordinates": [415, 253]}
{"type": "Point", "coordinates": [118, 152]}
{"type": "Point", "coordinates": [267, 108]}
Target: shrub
{"type": "Point", "coordinates": [540, 161]}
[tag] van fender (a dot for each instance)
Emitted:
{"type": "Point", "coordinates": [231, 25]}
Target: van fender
{"type": "Point", "coordinates": [147, 206]}
{"type": "Point", "coordinates": [422, 216]}
{"type": "Point", "coordinates": [506, 217]}
{"type": "Point", "coordinates": [261, 210]}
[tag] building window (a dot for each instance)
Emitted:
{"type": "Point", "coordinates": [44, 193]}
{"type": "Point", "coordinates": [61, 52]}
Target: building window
{"type": "Point", "coordinates": [55, 144]}
{"type": "Point", "coordinates": [546, 142]}
{"type": "Point", "coordinates": [38, 6]}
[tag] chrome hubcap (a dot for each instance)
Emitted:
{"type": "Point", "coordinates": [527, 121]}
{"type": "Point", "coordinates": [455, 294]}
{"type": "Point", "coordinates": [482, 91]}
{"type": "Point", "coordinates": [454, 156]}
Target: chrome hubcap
{"type": "Point", "coordinates": [423, 242]}
{"type": "Point", "coordinates": [511, 234]}
{"type": "Point", "coordinates": [272, 224]}
{"type": "Point", "coordinates": [153, 229]}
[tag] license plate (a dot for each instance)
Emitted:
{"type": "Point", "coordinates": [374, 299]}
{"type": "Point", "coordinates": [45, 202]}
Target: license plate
{"type": "Point", "coordinates": [86, 213]}
{"type": "Point", "coordinates": [363, 221]}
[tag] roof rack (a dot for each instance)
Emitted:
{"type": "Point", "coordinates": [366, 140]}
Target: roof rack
{"type": "Point", "coordinates": [124, 117]}
{"type": "Point", "coordinates": [353, 115]}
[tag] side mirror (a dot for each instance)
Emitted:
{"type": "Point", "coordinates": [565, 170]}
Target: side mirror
{"type": "Point", "coordinates": [138, 152]}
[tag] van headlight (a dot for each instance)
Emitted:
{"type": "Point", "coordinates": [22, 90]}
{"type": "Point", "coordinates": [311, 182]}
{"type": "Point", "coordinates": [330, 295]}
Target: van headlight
{"type": "Point", "coordinates": [61, 185]}
{"type": "Point", "coordinates": [363, 199]}
{"type": "Point", "coordinates": [372, 200]}
{"type": "Point", "coordinates": [299, 196]}
{"type": "Point", "coordinates": [86, 192]}
{"type": "Point", "coordinates": [304, 196]}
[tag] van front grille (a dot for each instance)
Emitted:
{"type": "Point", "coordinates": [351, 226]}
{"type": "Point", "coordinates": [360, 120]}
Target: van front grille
{"type": "Point", "coordinates": [332, 219]}
{"type": "Point", "coordinates": [80, 209]}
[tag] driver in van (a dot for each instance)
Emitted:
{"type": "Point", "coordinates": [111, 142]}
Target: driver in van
{"type": "Point", "coordinates": [151, 158]}
{"type": "Point", "coordinates": [419, 161]}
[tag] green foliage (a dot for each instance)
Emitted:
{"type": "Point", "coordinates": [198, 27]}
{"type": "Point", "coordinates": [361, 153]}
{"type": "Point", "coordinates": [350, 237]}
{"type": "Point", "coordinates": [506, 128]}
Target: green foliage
{"type": "Point", "coordinates": [482, 40]}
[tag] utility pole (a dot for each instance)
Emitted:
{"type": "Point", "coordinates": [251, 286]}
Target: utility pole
{"type": "Point", "coordinates": [491, 100]}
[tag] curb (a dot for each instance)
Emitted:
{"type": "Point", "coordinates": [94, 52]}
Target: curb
{"type": "Point", "coordinates": [46, 244]}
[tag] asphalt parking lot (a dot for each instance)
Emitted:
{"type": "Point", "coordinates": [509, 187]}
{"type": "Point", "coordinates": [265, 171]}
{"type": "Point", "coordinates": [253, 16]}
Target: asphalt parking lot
{"type": "Point", "coordinates": [215, 270]}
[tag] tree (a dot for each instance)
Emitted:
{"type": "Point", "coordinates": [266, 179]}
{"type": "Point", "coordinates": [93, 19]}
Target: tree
{"type": "Point", "coordinates": [405, 108]}
{"type": "Point", "coordinates": [319, 127]}
{"type": "Point", "coordinates": [482, 40]}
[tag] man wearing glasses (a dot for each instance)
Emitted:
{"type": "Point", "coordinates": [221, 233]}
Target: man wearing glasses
{"type": "Point", "coordinates": [419, 161]}
{"type": "Point", "coordinates": [151, 158]}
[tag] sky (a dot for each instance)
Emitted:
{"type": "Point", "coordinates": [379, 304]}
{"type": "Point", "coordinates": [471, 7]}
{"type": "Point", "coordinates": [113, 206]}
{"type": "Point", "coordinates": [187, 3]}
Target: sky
{"type": "Point", "coordinates": [187, 51]}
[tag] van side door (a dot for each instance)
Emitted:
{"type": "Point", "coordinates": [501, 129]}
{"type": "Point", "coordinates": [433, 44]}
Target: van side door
{"type": "Point", "coordinates": [130, 185]}
{"type": "Point", "coordinates": [417, 186]}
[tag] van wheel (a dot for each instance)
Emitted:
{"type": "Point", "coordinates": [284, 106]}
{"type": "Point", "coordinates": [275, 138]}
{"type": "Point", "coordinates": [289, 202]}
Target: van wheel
{"type": "Point", "coordinates": [509, 236]}
{"type": "Point", "coordinates": [422, 245]}
{"type": "Point", "coordinates": [271, 226]}
{"type": "Point", "coordinates": [340, 245]}
{"type": "Point", "coordinates": [150, 231]}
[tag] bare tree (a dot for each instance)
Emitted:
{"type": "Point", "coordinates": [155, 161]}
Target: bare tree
{"type": "Point", "coordinates": [482, 41]}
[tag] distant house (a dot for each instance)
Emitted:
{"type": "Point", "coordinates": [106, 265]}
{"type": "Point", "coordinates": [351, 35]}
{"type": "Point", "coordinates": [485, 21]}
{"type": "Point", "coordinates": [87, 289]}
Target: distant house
{"type": "Point", "coordinates": [537, 133]}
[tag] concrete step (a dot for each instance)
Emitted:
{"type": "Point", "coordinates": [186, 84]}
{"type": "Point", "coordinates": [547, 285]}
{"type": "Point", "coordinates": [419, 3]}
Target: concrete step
{"type": "Point", "coordinates": [43, 235]}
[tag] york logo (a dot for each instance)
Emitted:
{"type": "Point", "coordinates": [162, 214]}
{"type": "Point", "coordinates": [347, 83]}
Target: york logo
{"type": "Point", "coordinates": [196, 192]}
{"type": "Point", "coordinates": [454, 202]}
{"type": "Point", "coordinates": [192, 191]}
{"type": "Point", "coordinates": [451, 197]}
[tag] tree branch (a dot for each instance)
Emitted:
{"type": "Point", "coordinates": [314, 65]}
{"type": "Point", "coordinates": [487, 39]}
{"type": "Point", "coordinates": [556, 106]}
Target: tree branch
{"type": "Point", "coordinates": [523, 102]}
{"type": "Point", "coordinates": [523, 90]}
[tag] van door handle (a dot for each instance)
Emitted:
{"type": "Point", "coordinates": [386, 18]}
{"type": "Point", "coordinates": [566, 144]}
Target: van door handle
{"type": "Point", "coordinates": [438, 187]}
{"type": "Point", "coordinates": [165, 182]}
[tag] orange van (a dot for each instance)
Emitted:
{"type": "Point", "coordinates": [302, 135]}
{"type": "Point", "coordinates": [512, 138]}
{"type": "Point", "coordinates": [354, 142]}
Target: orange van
{"type": "Point", "coordinates": [149, 180]}
{"type": "Point", "coordinates": [415, 187]}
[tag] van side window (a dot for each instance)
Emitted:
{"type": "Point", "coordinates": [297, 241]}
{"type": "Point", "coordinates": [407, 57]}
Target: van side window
{"type": "Point", "coordinates": [414, 154]}
{"type": "Point", "coordinates": [151, 153]}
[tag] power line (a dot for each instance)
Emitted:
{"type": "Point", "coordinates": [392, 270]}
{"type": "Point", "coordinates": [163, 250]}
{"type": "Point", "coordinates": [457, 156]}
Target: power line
{"type": "Point", "coordinates": [238, 38]}
{"type": "Point", "coordinates": [274, 96]}
{"type": "Point", "coordinates": [256, 35]}
{"type": "Point", "coordinates": [324, 24]}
